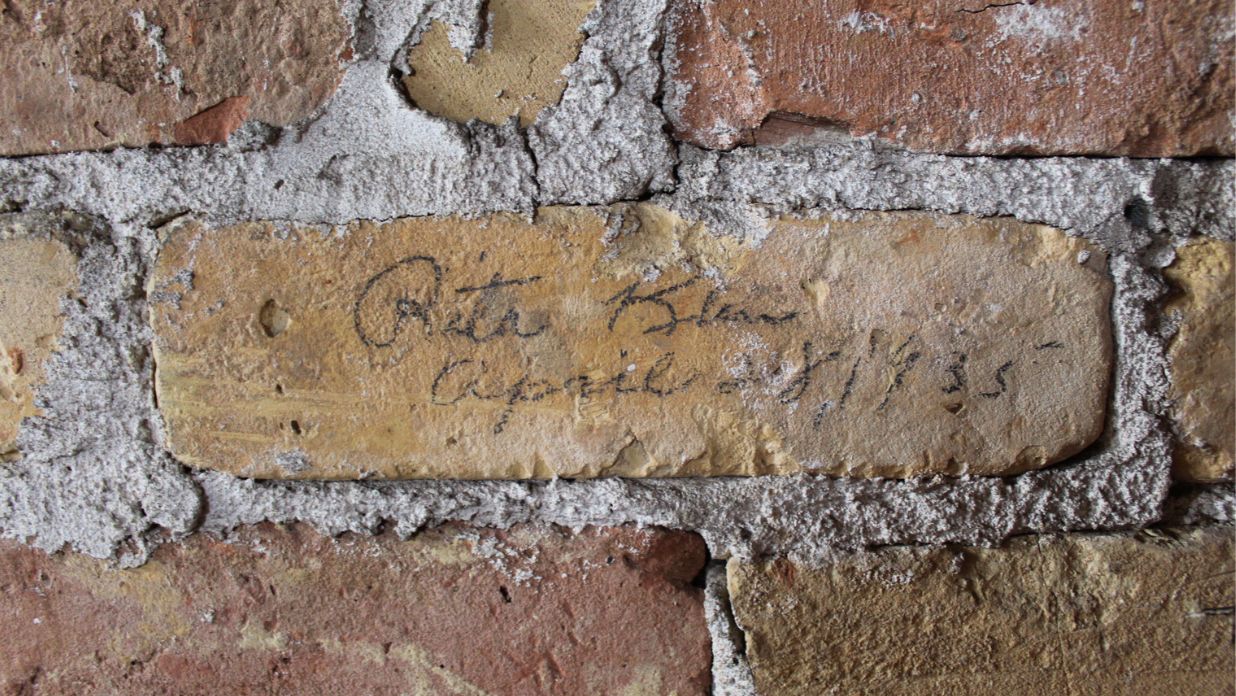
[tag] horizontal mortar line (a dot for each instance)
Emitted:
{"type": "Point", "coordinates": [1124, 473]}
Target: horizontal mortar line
{"type": "Point", "coordinates": [210, 153]}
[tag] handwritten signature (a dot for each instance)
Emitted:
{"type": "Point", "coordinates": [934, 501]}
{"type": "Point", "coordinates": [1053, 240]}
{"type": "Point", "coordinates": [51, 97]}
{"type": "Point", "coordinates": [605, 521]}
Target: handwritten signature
{"type": "Point", "coordinates": [413, 292]}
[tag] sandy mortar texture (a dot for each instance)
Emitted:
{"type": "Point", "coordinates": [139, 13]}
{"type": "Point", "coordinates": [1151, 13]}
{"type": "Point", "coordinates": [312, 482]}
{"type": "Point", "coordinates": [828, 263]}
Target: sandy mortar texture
{"type": "Point", "coordinates": [96, 476]}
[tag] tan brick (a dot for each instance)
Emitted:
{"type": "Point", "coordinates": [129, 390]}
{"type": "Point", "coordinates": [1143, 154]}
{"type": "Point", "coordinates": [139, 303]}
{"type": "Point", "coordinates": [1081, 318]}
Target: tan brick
{"type": "Point", "coordinates": [1204, 360]}
{"type": "Point", "coordinates": [518, 72]}
{"type": "Point", "coordinates": [1077, 615]}
{"type": "Point", "coordinates": [284, 610]}
{"type": "Point", "coordinates": [880, 344]}
{"type": "Point", "coordinates": [35, 275]}
{"type": "Point", "coordinates": [1050, 77]}
{"type": "Point", "coordinates": [84, 74]}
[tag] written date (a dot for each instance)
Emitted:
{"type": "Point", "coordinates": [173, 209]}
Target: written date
{"type": "Point", "coordinates": [824, 375]}
{"type": "Point", "coordinates": [460, 380]}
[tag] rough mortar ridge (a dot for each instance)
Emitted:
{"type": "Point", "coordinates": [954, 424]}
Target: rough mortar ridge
{"type": "Point", "coordinates": [321, 171]}
{"type": "Point", "coordinates": [731, 675]}
{"type": "Point", "coordinates": [1087, 196]}
{"type": "Point", "coordinates": [96, 476]}
{"type": "Point", "coordinates": [606, 140]}
{"type": "Point", "coordinates": [93, 474]}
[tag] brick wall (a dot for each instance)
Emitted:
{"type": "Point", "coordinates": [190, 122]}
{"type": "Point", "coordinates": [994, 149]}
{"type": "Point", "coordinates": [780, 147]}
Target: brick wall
{"type": "Point", "coordinates": [648, 347]}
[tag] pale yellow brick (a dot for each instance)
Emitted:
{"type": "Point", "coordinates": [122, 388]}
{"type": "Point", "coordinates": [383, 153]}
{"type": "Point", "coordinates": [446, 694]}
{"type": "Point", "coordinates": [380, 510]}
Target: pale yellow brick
{"type": "Point", "coordinates": [630, 342]}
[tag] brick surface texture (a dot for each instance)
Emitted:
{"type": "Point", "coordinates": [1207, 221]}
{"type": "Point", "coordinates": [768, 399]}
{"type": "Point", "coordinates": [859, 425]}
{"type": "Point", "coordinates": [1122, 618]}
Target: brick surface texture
{"type": "Point", "coordinates": [284, 610]}
{"type": "Point", "coordinates": [518, 73]}
{"type": "Point", "coordinates": [35, 275]}
{"type": "Point", "coordinates": [1087, 615]}
{"type": "Point", "coordinates": [1048, 77]}
{"type": "Point", "coordinates": [402, 350]}
{"type": "Point", "coordinates": [88, 75]}
{"type": "Point", "coordinates": [1203, 355]}
{"type": "Point", "coordinates": [617, 347]}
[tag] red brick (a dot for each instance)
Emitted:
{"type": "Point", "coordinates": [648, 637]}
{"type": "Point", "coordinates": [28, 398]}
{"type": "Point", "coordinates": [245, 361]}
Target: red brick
{"type": "Point", "coordinates": [215, 124]}
{"type": "Point", "coordinates": [284, 610]}
{"type": "Point", "coordinates": [1115, 77]}
{"type": "Point", "coordinates": [89, 74]}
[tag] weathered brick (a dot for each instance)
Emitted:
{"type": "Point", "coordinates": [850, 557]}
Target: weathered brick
{"type": "Point", "coordinates": [1079, 615]}
{"type": "Point", "coordinates": [636, 344]}
{"type": "Point", "coordinates": [35, 275]}
{"type": "Point", "coordinates": [1204, 360]}
{"type": "Point", "coordinates": [284, 610]}
{"type": "Point", "coordinates": [1051, 77]}
{"type": "Point", "coordinates": [94, 74]}
{"type": "Point", "coordinates": [518, 71]}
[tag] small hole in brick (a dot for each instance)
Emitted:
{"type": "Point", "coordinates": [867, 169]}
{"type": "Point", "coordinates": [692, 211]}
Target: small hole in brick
{"type": "Point", "coordinates": [954, 408]}
{"type": "Point", "coordinates": [295, 427]}
{"type": "Point", "coordinates": [506, 595]}
{"type": "Point", "coordinates": [274, 319]}
{"type": "Point", "coordinates": [278, 388]}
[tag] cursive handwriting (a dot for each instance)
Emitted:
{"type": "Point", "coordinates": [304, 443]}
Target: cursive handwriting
{"type": "Point", "coordinates": [824, 375]}
{"type": "Point", "coordinates": [409, 289]}
{"type": "Point", "coordinates": [469, 379]}
{"type": "Point", "coordinates": [710, 311]}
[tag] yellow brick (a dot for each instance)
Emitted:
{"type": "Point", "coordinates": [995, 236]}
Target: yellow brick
{"type": "Point", "coordinates": [518, 73]}
{"type": "Point", "coordinates": [1077, 615]}
{"type": "Point", "coordinates": [630, 342]}
{"type": "Point", "coordinates": [1204, 360]}
{"type": "Point", "coordinates": [35, 274]}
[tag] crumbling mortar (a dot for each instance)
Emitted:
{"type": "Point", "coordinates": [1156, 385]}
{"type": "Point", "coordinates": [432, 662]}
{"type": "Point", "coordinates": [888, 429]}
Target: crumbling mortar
{"type": "Point", "coordinates": [731, 675]}
{"type": "Point", "coordinates": [1197, 505]}
{"type": "Point", "coordinates": [328, 174]}
{"type": "Point", "coordinates": [1145, 458]}
{"type": "Point", "coordinates": [92, 473]}
{"type": "Point", "coordinates": [678, 494]}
